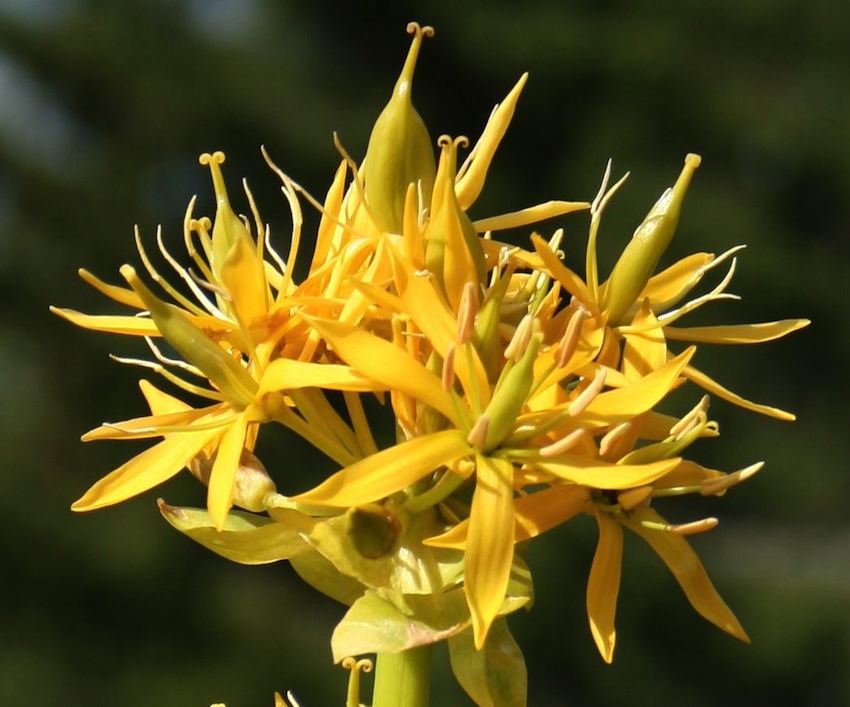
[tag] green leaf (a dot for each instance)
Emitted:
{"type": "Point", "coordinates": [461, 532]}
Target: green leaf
{"type": "Point", "coordinates": [246, 538]}
{"type": "Point", "coordinates": [494, 676]}
{"type": "Point", "coordinates": [319, 573]}
{"type": "Point", "coordinates": [387, 622]}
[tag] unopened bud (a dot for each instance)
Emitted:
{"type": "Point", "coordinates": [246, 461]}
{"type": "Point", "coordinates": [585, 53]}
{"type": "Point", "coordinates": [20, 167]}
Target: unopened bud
{"type": "Point", "coordinates": [251, 485]}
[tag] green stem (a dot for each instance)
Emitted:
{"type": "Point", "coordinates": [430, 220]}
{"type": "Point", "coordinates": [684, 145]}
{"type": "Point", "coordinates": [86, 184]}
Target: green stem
{"type": "Point", "coordinates": [403, 679]}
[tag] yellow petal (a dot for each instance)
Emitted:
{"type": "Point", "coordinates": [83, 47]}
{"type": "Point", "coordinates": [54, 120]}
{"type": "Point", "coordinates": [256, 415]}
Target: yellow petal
{"type": "Point", "coordinates": [220, 495]}
{"type": "Point", "coordinates": [490, 544]}
{"type": "Point", "coordinates": [113, 324]}
{"type": "Point", "coordinates": [469, 185]}
{"type": "Point", "coordinates": [600, 475]}
{"type": "Point", "coordinates": [669, 286]}
{"type": "Point", "coordinates": [289, 374]}
{"type": "Point", "coordinates": [535, 513]}
{"type": "Point", "coordinates": [571, 282]}
{"type": "Point", "coordinates": [647, 351]}
{"type": "Point", "coordinates": [391, 470]}
{"type": "Point", "coordinates": [737, 334]}
{"type": "Point", "coordinates": [386, 364]}
{"type": "Point", "coordinates": [689, 572]}
{"type": "Point", "coordinates": [532, 214]}
{"type": "Point", "coordinates": [713, 387]}
{"type": "Point", "coordinates": [161, 403]}
{"type": "Point", "coordinates": [243, 275]}
{"type": "Point", "coordinates": [641, 396]}
{"type": "Point", "coordinates": [146, 470]}
{"type": "Point", "coordinates": [122, 295]}
{"type": "Point", "coordinates": [603, 584]}
{"type": "Point", "coordinates": [152, 425]}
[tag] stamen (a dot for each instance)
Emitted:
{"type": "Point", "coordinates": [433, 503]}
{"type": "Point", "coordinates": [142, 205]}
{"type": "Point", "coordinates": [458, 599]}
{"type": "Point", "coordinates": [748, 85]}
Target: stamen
{"type": "Point", "coordinates": [177, 363]}
{"type": "Point", "coordinates": [579, 405]}
{"type": "Point", "coordinates": [169, 376]}
{"type": "Point", "coordinates": [478, 434]}
{"type": "Point", "coordinates": [258, 221]}
{"type": "Point", "coordinates": [716, 294]}
{"type": "Point", "coordinates": [187, 277]}
{"type": "Point", "coordinates": [569, 341]}
{"type": "Point", "coordinates": [448, 378]}
{"type": "Point", "coordinates": [564, 444]}
{"type": "Point", "coordinates": [467, 309]}
{"type": "Point", "coordinates": [717, 486]}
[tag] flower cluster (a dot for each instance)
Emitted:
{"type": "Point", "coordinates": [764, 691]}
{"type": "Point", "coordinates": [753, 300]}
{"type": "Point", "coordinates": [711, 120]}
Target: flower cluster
{"type": "Point", "coordinates": [523, 394]}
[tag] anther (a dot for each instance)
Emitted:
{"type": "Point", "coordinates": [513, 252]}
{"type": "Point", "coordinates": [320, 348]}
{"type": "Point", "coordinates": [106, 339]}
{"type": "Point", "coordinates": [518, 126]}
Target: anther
{"type": "Point", "coordinates": [448, 378]}
{"type": "Point", "coordinates": [477, 436]}
{"type": "Point", "coordinates": [614, 435]}
{"type": "Point", "coordinates": [698, 526]}
{"type": "Point", "coordinates": [569, 341]}
{"type": "Point", "coordinates": [687, 422]}
{"type": "Point", "coordinates": [467, 309]}
{"type": "Point", "coordinates": [579, 405]}
{"type": "Point", "coordinates": [519, 341]}
{"type": "Point", "coordinates": [564, 444]}
{"type": "Point", "coordinates": [716, 486]}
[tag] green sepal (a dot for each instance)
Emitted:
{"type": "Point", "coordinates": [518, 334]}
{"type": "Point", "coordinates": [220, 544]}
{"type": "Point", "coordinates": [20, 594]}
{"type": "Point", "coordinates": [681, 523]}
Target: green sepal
{"type": "Point", "coordinates": [246, 538]}
{"type": "Point", "coordinates": [495, 676]}
{"type": "Point", "coordinates": [317, 571]}
{"type": "Point", "coordinates": [411, 567]}
{"type": "Point", "coordinates": [386, 622]}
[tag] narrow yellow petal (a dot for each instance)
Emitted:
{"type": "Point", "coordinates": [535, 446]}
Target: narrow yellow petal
{"type": "Point", "coordinates": [713, 387]}
{"type": "Point", "coordinates": [601, 475]}
{"type": "Point", "coordinates": [161, 403]}
{"type": "Point", "coordinates": [669, 286]}
{"type": "Point", "coordinates": [122, 295]}
{"type": "Point", "coordinates": [470, 183]}
{"type": "Point", "coordinates": [149, 426]}
{"type": "Point", "coordinates": [647, 351]}
{"type": "Point", "coordinates": [640, 396]}
{"type": "Point", "coordinates": [386, 364]}
{"type": "Point", "coordinates": [738, 333]}
{"type": "Point", "coordinates": [113, 324]}
{"type": "Point", "coordinates": [220, 494]}
{"type": "Point", "coordinates": [689, 572]}
{"type": "Point", "coordinates": [535, 513]}
{"type": "Point", "coordinates": [532, 214]}
{"type": "Point", "coordinates": [289, 374]}
{"type": "Point", "coordinates": [571, 282]}
{"type": "Point", "coordinates": [490, 543]}
{"type": "Point", "coordinates": [146, 470]}
{"type": "Point", "coordinates": [603, 584]}
{"type": "Point", "coordinates": [391, 470]}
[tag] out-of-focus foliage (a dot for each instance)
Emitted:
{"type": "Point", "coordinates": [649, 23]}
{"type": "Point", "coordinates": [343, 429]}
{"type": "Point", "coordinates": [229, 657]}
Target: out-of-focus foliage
{"type": "Point", "coordinates": [103, 109]}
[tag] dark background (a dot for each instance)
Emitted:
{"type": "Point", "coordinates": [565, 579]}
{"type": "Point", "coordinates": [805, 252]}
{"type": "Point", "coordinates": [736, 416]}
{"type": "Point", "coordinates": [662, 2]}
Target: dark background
{"type": "Point", "coordinates": [104, 107]}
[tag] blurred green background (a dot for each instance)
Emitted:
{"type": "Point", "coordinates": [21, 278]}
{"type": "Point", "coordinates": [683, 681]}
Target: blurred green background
{"type": "Point", "coordinates": [104, 107]}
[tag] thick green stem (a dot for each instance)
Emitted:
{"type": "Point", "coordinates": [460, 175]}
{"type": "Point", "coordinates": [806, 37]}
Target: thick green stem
{"type": "Point", "coordinates": [403, 679]}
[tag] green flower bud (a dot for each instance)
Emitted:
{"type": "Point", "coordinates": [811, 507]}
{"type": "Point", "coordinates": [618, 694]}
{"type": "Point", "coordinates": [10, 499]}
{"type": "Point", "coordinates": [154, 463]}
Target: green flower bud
{"type": "Point", "coordinates": [400, 151]}
{"type": "Point", "coordinates": [639, 258]}
{"type": "Point", "coordinates": [228, 375]}
{"type": "Point", "coordinates": [373, 530]}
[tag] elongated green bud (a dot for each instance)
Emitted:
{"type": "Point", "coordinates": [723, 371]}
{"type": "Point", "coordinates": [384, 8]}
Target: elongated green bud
{"type": "Point", "coordinates": [510, 396]}
{"type": "Point", "coordinates": [486, 333]}
{"type": "Point", "coordinates": [639, 258]}
{"type": "Point", "coordinates": [194, 346]}
{"type": "Point", "coordinates": [400, 150]}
